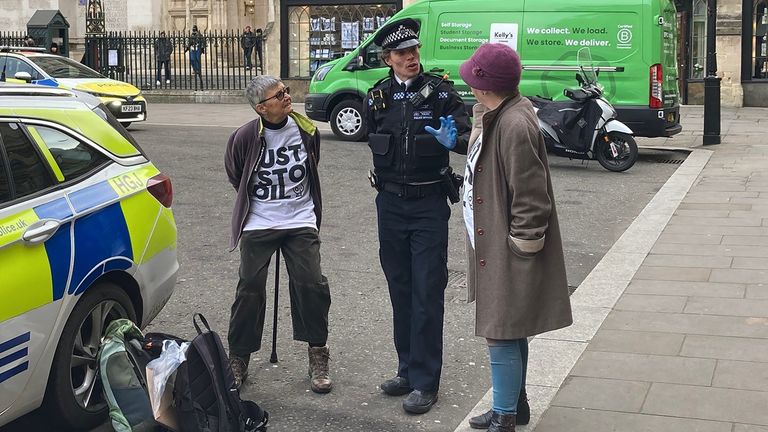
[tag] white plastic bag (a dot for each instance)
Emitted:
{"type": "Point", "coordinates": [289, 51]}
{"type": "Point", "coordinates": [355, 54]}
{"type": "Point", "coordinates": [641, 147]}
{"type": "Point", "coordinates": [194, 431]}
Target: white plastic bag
{"type": "Point", "coordinates": [160, 370]}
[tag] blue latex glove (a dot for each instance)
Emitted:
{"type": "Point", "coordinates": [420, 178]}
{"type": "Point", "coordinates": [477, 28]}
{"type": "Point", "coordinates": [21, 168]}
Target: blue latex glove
{"type": "Point", "coordinates": [447, 133]}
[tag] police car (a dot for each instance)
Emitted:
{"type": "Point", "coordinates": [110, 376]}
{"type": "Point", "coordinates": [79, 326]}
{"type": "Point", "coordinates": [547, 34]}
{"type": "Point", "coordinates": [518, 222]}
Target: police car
{"type": "Point", "coordinates": [22, 64]}
{"type": "Point", "coordinates": [87, 236]}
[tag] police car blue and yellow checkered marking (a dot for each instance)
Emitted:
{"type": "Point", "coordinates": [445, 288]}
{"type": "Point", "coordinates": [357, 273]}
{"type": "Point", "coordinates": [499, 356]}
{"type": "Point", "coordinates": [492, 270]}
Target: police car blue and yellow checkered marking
{"type": "Point", "coordinates": [111, 232]}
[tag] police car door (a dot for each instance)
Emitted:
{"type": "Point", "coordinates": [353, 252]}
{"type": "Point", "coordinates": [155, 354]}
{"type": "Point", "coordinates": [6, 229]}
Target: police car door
{"type": "Point", "coordinates": [35, 256]}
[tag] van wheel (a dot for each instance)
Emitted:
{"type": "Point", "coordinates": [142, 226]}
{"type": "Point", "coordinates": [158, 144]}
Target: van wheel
{"type": "Point", "coordinates": [74, 396]}
{"type": "Point", "coordinates": [347, 120]}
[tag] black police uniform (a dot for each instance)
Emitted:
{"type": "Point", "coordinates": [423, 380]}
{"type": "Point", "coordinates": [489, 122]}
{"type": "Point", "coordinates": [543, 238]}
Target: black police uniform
{"type": "Point", "coordinates": [413, 212]}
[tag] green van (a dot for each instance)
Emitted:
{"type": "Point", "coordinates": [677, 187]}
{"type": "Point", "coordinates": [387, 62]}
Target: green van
{"type": "Point", "coordinates": [633, 44]}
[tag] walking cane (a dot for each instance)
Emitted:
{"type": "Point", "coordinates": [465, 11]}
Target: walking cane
{"type": "Point", "coordinates": [273, 356]}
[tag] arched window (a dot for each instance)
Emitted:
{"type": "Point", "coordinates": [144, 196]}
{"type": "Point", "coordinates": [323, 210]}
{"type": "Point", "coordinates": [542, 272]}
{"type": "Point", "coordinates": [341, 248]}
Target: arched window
{"type": "Point", "coordinates": [699, 39]}
{"type": "Point", "coordinates": [298, 44]}
{"type": "Point", "coordinates": [760, 40]}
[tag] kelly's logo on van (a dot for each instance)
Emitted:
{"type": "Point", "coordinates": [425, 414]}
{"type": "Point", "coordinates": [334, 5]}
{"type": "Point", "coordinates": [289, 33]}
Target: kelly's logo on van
{"type": "Point", "coordinates": [624, 37]}
{"type": "Point", "coordinates": [505, 33]}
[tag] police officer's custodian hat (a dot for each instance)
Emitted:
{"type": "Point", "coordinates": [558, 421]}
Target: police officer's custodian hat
{"type": "Point", "coordinates": [397, 35]}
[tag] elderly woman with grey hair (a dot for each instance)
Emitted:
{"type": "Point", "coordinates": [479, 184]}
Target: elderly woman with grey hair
{"type": "Point", "coordinates": [271, 161]}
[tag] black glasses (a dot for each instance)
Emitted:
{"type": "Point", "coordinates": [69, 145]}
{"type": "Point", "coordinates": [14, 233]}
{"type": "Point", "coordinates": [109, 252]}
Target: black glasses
{"type": "Point", "coordinates": [279, 95]}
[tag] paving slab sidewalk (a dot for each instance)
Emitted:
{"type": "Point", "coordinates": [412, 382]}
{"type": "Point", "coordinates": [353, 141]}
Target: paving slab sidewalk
{"type": "Point", "coordinates": [671, 328]}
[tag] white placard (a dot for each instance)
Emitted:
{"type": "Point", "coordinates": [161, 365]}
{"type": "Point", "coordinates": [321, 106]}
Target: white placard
{"type": "Point", "coordinates": [112, 60]}
{"type": "Point", "coordinates": [505, 33]}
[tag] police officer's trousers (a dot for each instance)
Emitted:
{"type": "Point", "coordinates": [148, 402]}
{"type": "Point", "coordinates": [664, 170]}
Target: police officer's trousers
{"type": "Point", "coordinates": [413, 248]}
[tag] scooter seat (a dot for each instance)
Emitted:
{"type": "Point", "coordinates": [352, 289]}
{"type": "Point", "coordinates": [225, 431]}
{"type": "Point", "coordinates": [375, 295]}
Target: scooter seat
{"type": "Point", "coordinates": [539, 101]}
{"type": "Point", "coordinates": [557, 106]}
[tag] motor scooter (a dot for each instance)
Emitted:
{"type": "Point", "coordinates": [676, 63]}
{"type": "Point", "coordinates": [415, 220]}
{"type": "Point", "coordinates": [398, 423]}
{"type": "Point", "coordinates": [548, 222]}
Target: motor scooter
{"type": "Point", "coordinates": [585, 127]}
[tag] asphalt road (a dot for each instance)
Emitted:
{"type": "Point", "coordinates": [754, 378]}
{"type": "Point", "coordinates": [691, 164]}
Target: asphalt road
{"type": "Point", "coordinates": [187, 143]}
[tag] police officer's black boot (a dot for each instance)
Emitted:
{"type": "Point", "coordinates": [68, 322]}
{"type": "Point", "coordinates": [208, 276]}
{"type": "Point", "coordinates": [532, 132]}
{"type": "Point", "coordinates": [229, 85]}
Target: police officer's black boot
{"type": "Point", "coordinates": [502, 422]}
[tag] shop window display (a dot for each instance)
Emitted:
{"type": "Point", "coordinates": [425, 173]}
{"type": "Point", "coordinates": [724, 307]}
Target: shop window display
{"type": "Point", "coordinates": [760, 58]}
{"type": "Point", "coordinates": [319, 34]}
{"type": "Point", "coordinates": [699, 39]}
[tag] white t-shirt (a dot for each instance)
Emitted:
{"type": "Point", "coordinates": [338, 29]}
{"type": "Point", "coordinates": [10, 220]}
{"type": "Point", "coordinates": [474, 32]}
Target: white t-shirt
{"type": "Point", "coordinates": [469, 177]}
{"type": "Point", "coordinates": [279, 187]}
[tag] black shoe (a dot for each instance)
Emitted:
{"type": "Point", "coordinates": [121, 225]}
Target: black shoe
{"type": "Point", "coordinates": [502, 423]}
{"type": "Point", "coordinates": [483, 421]}
{"type": "Point", "coordinates": [523, 409]}
{"type": "Point", "coordinates": [419, 402]}
{"type": "Point", "coordinates": [396, 386]}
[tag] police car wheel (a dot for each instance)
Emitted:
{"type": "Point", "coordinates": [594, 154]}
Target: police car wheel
{"type": "Point", "coordinates": [74, 395]}
{"type": "Point", "coordinates": [347, 120]}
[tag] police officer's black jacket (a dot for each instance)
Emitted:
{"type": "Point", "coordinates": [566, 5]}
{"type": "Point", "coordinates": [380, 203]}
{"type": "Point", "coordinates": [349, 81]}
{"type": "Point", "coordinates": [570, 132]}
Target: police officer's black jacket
{"type": "Point", "coordinates": [402, 151]}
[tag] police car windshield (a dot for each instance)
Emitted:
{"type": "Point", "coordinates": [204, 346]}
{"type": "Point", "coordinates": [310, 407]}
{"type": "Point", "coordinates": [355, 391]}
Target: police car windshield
{"type": "Point", "coordinates": [62, 67]}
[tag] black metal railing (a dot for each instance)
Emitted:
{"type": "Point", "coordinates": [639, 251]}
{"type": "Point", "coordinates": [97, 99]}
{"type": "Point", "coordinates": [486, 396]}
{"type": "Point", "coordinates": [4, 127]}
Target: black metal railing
{"type": "Point", "coordinates": [133, 57]}
{"type": "Point", "coordinates": [12, 38]}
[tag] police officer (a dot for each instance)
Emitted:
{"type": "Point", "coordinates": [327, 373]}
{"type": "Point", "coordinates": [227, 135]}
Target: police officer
{"type": "Point", "coordinates": [409, 155]}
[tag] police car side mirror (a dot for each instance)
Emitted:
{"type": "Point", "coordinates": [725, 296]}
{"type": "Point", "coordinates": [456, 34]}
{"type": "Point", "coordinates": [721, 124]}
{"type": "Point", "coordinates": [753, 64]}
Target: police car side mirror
{"type": "Point", "coordinates": [23, 76]}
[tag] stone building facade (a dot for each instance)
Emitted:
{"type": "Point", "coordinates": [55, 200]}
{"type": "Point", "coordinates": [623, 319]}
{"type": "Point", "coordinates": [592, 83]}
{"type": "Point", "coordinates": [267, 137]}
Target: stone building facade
{"type": "Point", "coordinates": [169, 15]}
{"type": "Point", "coordinates": [742, 50]}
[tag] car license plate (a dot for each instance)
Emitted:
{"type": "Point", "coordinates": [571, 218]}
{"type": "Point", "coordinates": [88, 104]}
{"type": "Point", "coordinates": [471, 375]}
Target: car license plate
{"type": "Point", "coordinates": [671, 117]}
{"type": "Point", "coordinates": [131, 108]}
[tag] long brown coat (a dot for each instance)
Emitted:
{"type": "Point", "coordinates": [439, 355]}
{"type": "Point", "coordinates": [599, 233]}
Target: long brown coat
{"type": "Point", "coordinates": [517, 271]}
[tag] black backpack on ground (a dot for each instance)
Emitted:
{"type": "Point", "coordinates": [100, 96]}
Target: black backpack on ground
{"type": "Point", "coordinates": [205, 395]}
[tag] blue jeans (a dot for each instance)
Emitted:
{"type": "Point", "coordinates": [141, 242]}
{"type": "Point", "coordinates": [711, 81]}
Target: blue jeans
{"type": "Point", "coordinates": [509, 365]}
{"type": "Point", "coordinates": [194, 59]}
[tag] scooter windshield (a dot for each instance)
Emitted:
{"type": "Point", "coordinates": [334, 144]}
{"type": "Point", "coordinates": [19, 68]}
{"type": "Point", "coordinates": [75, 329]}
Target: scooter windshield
{"type": "Point", "coordinates": [586, 67]}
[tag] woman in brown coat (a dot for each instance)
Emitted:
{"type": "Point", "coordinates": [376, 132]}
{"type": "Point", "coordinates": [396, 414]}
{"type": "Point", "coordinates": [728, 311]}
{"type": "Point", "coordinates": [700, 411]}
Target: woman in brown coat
{"type": "Point", "coordinates": [515, 254]}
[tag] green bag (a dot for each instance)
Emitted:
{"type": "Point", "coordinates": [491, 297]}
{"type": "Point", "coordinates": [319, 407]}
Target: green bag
{"type": "Point", "coordinates": [122, 369]}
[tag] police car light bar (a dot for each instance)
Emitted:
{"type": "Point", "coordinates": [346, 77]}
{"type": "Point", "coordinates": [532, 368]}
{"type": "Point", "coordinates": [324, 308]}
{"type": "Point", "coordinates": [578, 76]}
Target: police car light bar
{"type": "Point", "coordinates": [31, 90]}
{"type": "Point", "coordinates": [6, 48]}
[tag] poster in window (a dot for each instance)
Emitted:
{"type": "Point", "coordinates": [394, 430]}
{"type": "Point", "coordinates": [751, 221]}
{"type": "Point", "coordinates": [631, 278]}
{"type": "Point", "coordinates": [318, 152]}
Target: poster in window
{"type": "Point", "coordinates": [368, 24]}
{"type": "Point", "coordinates": [350, 34]}
{"type": "Point", "coordinates": [329, 24]}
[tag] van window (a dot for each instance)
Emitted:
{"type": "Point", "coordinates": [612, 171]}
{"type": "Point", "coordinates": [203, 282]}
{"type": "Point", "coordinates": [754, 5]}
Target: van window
{"type": "Point", "coordinates": [73, 157]}
{"type": "Point", "coordinates": [372, 56]}
{"type": "Point", "coordinates": [28, 171]}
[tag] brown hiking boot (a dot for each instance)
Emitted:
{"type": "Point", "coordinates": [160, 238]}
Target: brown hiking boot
{"type": "Point", "coordinates": [318, 369]}
{"type": "Point", "coordinates": [239, 366]}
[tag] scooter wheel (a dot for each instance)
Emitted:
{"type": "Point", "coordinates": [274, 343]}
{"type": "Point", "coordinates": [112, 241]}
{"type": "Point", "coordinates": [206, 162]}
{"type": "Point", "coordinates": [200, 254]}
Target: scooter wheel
{"type": "Point", "coordinates": [616, 153]}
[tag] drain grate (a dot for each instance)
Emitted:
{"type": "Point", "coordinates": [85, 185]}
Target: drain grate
{"type": "Point", "coordinates": [456, 290]}
{"type": "Point", "coordinates": [667, 161]}
{"type": "Point", "coordinates": [457, 279]}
